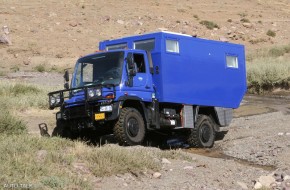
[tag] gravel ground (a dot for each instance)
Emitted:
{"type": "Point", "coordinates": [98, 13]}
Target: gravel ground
{"type": "Point", "coordinates": [254, 146]}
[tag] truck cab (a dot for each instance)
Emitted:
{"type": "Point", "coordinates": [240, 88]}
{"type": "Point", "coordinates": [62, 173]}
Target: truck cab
{"type": "Point", "coordinates": [151, 82]}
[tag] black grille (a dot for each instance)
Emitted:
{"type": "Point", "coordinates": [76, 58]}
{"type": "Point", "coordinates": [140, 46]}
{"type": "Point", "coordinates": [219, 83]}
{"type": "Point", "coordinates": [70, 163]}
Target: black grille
{"type": "Point", "coordinates": [74, 112]}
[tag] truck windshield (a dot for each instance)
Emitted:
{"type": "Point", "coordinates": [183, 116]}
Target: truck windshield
{"type": "Point", "coordinates": [103, 68]}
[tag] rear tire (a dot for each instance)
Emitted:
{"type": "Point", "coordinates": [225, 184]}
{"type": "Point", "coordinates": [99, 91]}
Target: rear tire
{"type": "Point", "coordinates": [130, 128]}
{"type": "Point", "coordinates": [203, 134]}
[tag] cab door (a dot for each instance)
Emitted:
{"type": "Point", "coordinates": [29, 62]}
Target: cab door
{"type": "Point", "coordinates": [139, 84]}
{"type": "Point", "coordinates": [140, 80]}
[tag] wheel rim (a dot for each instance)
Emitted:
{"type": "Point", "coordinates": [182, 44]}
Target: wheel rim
{"type": "Point", "coordinates": [205, 133]}
{"type": "Point", "coordinates": [133, 127]}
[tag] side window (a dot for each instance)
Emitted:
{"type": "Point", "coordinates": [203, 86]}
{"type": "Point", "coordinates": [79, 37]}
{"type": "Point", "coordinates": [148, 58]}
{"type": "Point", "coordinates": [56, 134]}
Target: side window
{"type": "Point", "coordinates": [116, 46]}
{"type": "Point", "coordinates": [232, 61]}
{"type": "Point", "coordinates": [140, 63]}
{"type": "Point", "coordinates": [172, 46]}
{"type": "Point", "coordinates": [147, 45]}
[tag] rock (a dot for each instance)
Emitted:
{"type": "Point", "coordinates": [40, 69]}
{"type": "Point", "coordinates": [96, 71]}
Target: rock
{"type": "Point", "coordinates": [242, 185]}
{"type": "Point", "coordinates": [247, 25]}
{"type": "Point", "coordinates": [138, 31]}
{"type": "Point", "coordinates": [27, 62]}
{"type": "Point", "coordinates": [266, 180]}
{"type": "Point", "coordinates": [139, 23]}
{"type": "Point", "coordinates": [107, 18]}
{"type": "Point", "coordinates": [120, 22]}
{"type": "Point", "coordinates": [188, 168]}
{"type": "Point", "coordinates": [286, 177]}
{"type": "Point", "coordinates": [73, 24]}
{"type": "Point", "coordinates": [165, 161]}
{"type": "Point", "coordinates": [125, 184]}
{"type": "Point", "coordinates": [163, 29]}
{"type": "Point", "coordinates": [157, 175]}
{"type": "Point", "coordinates": [273, 185]}
{"type": "Point", "coordinates": [258, 185]}
{"type": "Point", "coordinates": [5, 39]}
{"type": "Point", "coordinates": [223, 39]}
{"type": "Point", "coordinates": [5, 30]}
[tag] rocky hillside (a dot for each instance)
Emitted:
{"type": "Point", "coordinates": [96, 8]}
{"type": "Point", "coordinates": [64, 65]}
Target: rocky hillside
{"type": "Point", "coordinates": [46, 31]}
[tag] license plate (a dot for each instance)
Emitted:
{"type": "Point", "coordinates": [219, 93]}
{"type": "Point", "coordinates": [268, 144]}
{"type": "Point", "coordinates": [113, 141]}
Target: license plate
{"type": "Point", "coordinates": [99, 116]}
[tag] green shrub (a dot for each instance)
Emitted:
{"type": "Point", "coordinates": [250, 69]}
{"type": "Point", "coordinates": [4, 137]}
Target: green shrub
{"type": "Point", "coordinates": [209, 24]}
{"type": "Point", "coordinates": [271, 33]}
{"type": "Point", "coordinates": [196, 17]}
{"type": "Point", "coordinates": [40, 68]}
{"type": "Point", "coordinates": [22, 96]}
{"type": "Point", "coordinates": [53, 182]}
{"type": "Point", "coordinates": [269, 53]}
{"type": "Point", "coordinates": [256, 41]}
{"type": "Point", "coordinates": [10, 124]}
{"type": "Point", "coordinates": [276, 52]}
{"type": "Point", "coordinates": [2, 73]}
{"type": "Point", "coordinates": [245, 20]}
{"type": "Point", "coordinates": [266, 74]}
{"type": "Point", "coordinates": [243, 14]}
{"type": "Point", "coordinates": [15, 68]}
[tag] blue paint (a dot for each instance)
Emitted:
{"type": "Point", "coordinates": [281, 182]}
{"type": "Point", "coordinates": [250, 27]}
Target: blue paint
{"type": "Point", "coordinates": [197, 74]}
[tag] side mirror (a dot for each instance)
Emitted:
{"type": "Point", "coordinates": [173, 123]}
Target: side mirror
{"type": "Point", "coordinates": [66, 76]}
{"type": "Point", "coordinates": [130, 61]}
{"type": "Point", "coordinates": [66, 85]}
{"type": "Point", "coordinates": [131, 66]}
{"type": "Point", "coordinates": [66, 79]}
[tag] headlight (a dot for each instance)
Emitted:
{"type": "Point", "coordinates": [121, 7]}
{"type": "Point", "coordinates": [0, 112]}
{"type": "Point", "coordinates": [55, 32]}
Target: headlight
{"type": "Point", "coordinates": [54, 100]}
{"type": "Point", "coordinates": [93, 92]}
{"type": "Point", "coordinates": [106, 108]}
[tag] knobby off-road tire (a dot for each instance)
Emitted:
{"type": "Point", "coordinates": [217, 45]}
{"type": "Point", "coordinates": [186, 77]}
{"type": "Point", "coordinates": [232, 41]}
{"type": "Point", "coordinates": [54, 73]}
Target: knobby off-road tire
{"type": "Point", "coordinates": [130, 128]}
{"type": "Point", "coordinates": [62, 130]}
{"type": "Point", "coordinates": [203, 134]}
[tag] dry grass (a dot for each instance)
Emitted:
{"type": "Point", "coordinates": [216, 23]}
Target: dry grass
{"type": "Point", "coordinates": [209, 24]}
{"type": "Point", "coordinates": [63, 164]}
{"type": "Point", "coordinates": [19, 96]}
{"type": "Point", "coordinates": [56, 163]}
{"type": "Point", "coordinates": [268, 69]}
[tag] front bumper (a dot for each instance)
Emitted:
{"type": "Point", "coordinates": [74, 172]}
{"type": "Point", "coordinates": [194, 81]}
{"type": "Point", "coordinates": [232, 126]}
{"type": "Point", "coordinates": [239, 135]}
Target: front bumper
{"type": "Point", "coordinates": [92, 112]}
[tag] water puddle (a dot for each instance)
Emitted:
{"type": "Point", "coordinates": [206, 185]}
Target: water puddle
{"type": "Point", "coordinates": [217, 153]}
{"type": "Point", "coordinates": [256, 105]}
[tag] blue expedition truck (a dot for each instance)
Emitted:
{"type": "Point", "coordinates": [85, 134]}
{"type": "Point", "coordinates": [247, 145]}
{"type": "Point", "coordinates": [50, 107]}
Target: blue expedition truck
{"type": "Point", "coordinates": [162, 81]}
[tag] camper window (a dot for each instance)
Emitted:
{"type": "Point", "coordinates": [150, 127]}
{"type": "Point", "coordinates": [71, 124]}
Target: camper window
{"type": "Point", "coordinates": [232, 61]}
{"type": "Point", "coordinates": [172, 46]}
{"type": "Point", "coordinates": [147, 45]}
{"type": "Point", "coordinates": [116, 46]}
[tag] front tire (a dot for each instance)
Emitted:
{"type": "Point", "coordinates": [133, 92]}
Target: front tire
{"type": "Point", "coordinates": [203, 134]}
{"type": "Point", "coordinates": [130, 128]}
{"type": "Point", "coordinates": [62, 130]}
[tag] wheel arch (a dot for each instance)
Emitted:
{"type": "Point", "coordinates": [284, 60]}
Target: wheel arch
{"type": "Point", "coordinates": [137, 103]}
{"type": "Point", "coordinates": [210, 111]}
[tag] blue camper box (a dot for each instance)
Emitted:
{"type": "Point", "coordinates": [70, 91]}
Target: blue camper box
{"type": "Point", "coordinates": [190, 70]}
{"type": "Point", "coordinates": [171, 83]}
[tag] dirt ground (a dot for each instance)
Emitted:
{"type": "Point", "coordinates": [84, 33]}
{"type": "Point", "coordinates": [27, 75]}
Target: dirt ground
{"type": "Point", "coordinates": [54, 34]}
